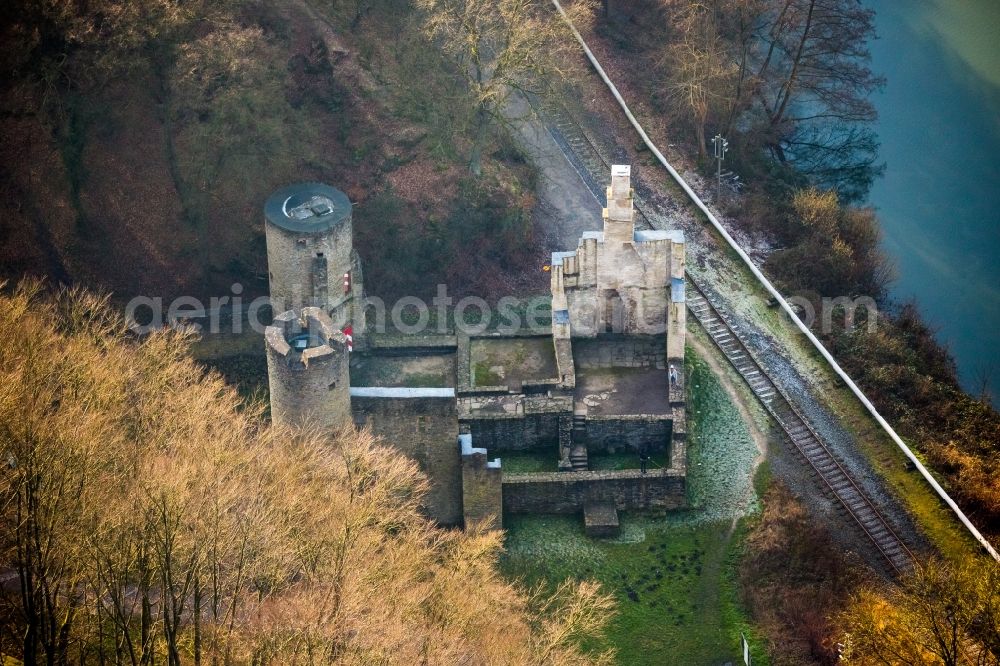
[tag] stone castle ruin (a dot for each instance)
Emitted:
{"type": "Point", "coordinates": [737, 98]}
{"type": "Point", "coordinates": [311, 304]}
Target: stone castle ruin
{"type": "Point", "coordinates": [589, 414]}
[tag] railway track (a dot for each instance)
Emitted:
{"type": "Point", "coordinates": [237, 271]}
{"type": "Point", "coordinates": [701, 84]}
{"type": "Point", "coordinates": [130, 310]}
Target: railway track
{"type": "Point", "coordinates": [581, 152]}
{"type": "Point", "coordinates": [591, 165]}
{"type": "Point", "coordinates": [803, 436]}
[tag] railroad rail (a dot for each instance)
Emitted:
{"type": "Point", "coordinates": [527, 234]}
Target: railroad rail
{"type": "Point", "coordinates": [580, 150]}
{"type": "Point", "coordinates": [803, 436]}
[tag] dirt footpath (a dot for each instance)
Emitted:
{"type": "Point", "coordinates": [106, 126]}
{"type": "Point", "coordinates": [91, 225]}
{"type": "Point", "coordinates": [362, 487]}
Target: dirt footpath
{"type": "Point", "coordinates": [566, 206]}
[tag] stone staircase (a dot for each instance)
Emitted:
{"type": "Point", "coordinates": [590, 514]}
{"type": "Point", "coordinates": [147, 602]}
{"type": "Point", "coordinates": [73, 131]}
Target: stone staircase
{"type": "Point", "coordinates": [578, 454]}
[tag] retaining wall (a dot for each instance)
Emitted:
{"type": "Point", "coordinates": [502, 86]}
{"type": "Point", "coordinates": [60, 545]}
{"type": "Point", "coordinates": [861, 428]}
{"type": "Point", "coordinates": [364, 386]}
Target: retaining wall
{"type": "Point", "coordinates": [621, 352]}
{"type": "Point", "coordinates": [614, 434]}
{"type": "Point", "coordinates": [516, 433]}
{"type": "Point", "coordinates": [567, 492]}
{"type": "Point", "coordinates": [426, 430]}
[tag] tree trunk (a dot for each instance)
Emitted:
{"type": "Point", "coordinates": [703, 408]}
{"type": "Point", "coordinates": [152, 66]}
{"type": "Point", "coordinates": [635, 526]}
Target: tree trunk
{"type": "Point", "coordinates": [786, 90]}
{"type": "Point", "coordinates": [29, 642]}
{"type": "Point", "coordinates": [145, 627]}
{"type": "Point", "coordinates": [64, 630]}
{"type": "Point", "coordinates": [197, 620]}
{"type": "Point", "coordinates": [479, 141]}
{"type": "Point", "coordinates": [778, 152]}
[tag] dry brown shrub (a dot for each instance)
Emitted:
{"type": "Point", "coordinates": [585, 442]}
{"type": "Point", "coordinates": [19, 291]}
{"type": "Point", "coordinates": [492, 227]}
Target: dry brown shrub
{"type": "Point", "coordinates": [793, 578]}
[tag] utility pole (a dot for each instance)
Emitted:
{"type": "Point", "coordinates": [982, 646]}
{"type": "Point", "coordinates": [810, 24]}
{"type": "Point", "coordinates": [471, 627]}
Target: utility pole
{"type": "Point", "coordinates": [721, 146]}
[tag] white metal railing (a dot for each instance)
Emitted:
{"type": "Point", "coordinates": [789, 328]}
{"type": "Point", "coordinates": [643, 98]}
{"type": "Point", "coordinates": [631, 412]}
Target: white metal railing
{"type": "Point", "coordinates": [774, 292]}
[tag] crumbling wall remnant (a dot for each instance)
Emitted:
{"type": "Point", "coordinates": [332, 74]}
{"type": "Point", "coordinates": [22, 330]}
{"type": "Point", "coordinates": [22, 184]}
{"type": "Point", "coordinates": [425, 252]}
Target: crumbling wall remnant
{"type": "Point", "coordinates": [308, 370]}
{"type": "Point", "coordinates": [482, 495]}
{"type": "Point", "coordinates": [568, 492]}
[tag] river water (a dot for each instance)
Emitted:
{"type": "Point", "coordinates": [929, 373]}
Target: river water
{"type": "Point", "coordinates": [939, 201]}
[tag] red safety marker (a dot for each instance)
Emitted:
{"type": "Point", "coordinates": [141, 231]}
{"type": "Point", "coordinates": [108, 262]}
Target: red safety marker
{"type": "Point", "coordinates": [348, 333]}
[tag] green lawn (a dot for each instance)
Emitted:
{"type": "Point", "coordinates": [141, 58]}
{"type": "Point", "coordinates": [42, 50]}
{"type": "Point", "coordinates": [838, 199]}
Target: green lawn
{"type": "Point", "coordinates": [676, 600]}
{"type": "Point", "coordinates": [517, 462]}
{"type": "Point", "coordinates": [630, 460]}
{"type": "Point", "coordinates": [672, 575]}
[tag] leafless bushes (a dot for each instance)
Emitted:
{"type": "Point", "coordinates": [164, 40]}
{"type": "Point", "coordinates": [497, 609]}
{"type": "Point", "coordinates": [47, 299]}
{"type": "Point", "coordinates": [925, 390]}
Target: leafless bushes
{"type": "Point", "coordinates": [787, 81]}
{"type": "Point", "coordinates": [150, 516]}
{"type": "Point", "coordinates": [501, 48]}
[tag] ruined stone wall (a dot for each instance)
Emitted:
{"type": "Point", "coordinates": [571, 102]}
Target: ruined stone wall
{"type": "Point", "coordinates": [620, 287]}
{"type": "Point", "coordinates": [413, 345]}
{"type": "Point", "coordinates": [616, 280]}
{"type": "Point", "coordinates": [353, 305]}
{"type": "Point", "coordinates": [482, 494]}
{"type": "Point", "coordinates": [573, 285]}
{"type": "Point", "coordinates": [621, 352]}
{"type": "Point", "coordinates": [426, 430]}
{"type": "Point", "coordinates": [621, 280]}
{"type": "Point", "coordinates": [567, 492]}
{"type": "Point", "coordinates": [631, 288]}
{"type": "Point", "coordinates": [516, 433]}
{"type": "Point", "coordinates": [677, 324]}
{"type": "Point", "coordinates": [678, 439]}
{"type": "Point", "coordinates": [564, 357]}
{"type": "Point", "coordinates": [615, 434]}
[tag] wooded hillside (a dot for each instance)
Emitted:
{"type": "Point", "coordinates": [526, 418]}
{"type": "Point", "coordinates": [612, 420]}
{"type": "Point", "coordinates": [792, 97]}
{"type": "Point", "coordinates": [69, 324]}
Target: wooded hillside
{"type": "Point", "coordinates": [149, 516]}
{"type": "Point", "coordinates": [139, 141]}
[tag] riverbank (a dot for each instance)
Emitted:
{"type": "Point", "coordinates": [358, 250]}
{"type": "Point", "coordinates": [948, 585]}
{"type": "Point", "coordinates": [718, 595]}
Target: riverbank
{"type": "Point", "coordinates": [897, 363]}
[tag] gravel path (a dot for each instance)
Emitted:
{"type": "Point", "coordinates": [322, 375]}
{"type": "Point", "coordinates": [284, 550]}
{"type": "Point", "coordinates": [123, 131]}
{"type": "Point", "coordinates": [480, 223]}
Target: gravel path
{"type": "Point", "coordinates": [566, 205]}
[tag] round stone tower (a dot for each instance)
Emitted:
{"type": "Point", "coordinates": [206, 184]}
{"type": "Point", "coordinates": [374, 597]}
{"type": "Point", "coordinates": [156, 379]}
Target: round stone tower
{"type": "Point", "coordinates": [310, 257]}
{"type": "Point", "coordinates": [308, 371]}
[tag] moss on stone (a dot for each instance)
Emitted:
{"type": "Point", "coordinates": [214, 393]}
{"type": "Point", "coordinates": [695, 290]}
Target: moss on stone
{"type": "Point", "coordinates": [483, 375]}
{"type": "Point", "coordinates": [530, 461]}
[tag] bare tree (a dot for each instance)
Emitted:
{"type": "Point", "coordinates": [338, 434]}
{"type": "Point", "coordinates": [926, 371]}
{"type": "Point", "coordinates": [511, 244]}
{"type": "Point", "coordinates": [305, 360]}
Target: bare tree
{"type": "Point", "coordinates": [812, 84]}
{"type": "Point", "coordinates": [500, 48]}
{"type": "Point", "coordinates": [152, 517]}
{"type": "Point", "coordinates": [700, 76]}
{"type": "Point", "coordinates": [943, 613]}
{"type": "Point", "coordinates": [738, 25]}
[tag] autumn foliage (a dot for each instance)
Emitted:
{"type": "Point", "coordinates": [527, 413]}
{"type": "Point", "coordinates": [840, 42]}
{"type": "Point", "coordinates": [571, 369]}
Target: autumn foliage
{"type": "Point", "coordinates": [831, 249]}
{"type": "Point", "coordinates": [941, 614]}
{"type": "Point", "coordinates": [828, 248]}
{"type": "Point", "coordinates": [149, 516]}
{"type": "Point", "coordinates": [912, 380]}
